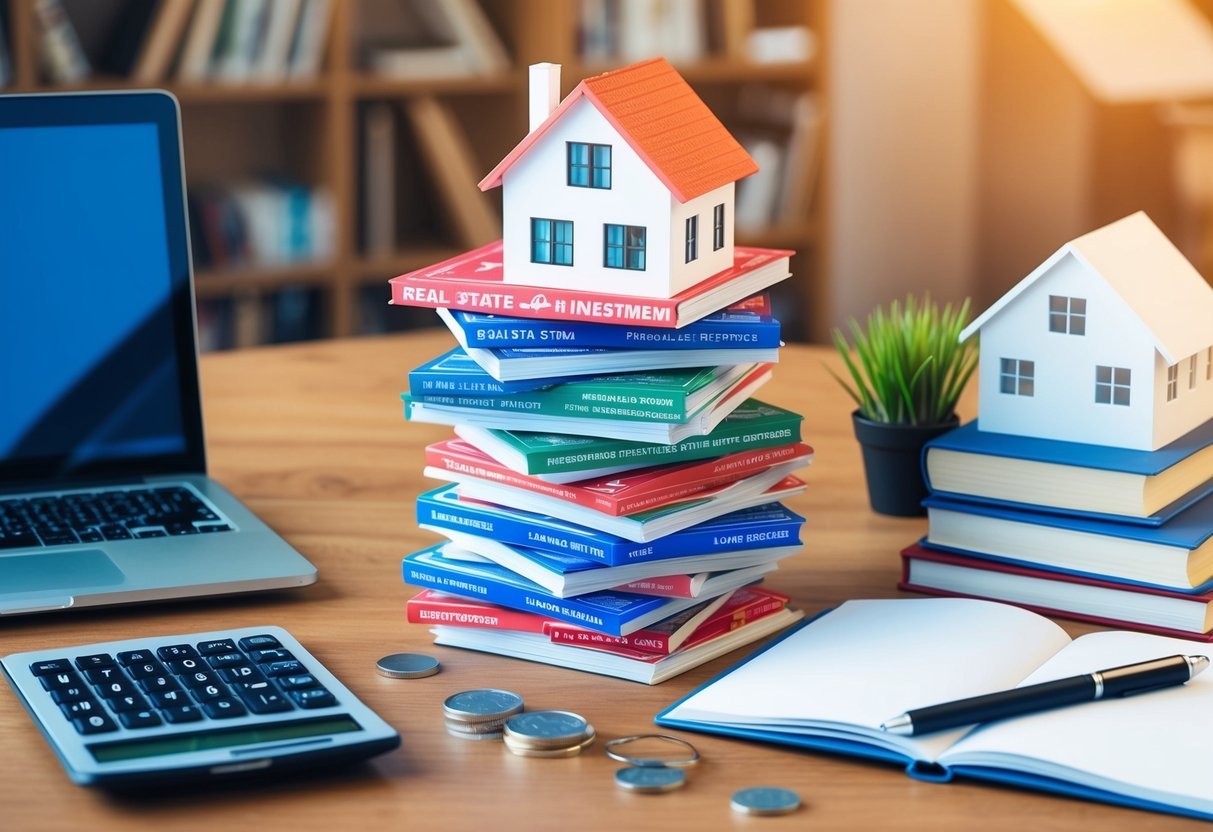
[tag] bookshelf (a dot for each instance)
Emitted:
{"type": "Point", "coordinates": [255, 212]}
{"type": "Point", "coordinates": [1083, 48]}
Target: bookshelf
{"type": "Point", "coordinates": [315, 131]}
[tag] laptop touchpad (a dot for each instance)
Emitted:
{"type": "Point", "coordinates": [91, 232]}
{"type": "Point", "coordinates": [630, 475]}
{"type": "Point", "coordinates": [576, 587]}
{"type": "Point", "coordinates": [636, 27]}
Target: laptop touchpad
{"type": "Point", "coordinates": [72, 569]}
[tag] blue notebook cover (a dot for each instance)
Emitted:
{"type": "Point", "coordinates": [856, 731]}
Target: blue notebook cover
{"type": "Point", "coordinates": [1186, 530]}
{"type": "Point", "coordinates": [610, 612]}
{"type": "Point", "coordinates": [720, 329]}
{"type": "Point", "coordinates": [750, 528]}
{"type": "Point", "coordinates": [455, 373]}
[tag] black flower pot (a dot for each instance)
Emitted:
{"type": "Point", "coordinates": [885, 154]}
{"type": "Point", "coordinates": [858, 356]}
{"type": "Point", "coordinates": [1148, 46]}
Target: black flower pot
{"type": "Point", "coordinates": [892, 463]}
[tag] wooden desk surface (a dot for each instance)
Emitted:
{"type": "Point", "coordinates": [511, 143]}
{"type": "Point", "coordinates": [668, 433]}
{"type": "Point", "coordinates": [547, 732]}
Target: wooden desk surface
{"type": "Point", "coordinates": [312, 437]}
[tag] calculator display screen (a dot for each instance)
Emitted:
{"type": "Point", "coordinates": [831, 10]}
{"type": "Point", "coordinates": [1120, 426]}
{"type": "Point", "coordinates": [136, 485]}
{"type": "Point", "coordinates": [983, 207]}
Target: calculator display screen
{"type": "Point", "coordinates": [223, 738]}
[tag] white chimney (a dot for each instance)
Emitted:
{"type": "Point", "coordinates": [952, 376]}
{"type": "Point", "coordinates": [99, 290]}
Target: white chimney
{"type": "Point", "coordinates": [545, 92]}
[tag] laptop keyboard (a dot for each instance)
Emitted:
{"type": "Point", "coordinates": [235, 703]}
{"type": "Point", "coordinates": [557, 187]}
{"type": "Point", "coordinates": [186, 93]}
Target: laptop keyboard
{"type": "Point", "coordinates": [95, 516]}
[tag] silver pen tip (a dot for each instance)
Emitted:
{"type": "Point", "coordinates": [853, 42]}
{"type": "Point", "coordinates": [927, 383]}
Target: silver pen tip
{"type": "Point", "coordinates": [901, 724]}
{"type": "Point", "coordinates": [1196, 664]}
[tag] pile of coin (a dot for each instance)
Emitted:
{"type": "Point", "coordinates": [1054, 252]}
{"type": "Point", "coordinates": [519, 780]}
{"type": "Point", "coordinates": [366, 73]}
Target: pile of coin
{"type": "Point", "coordinates": [480, 714]}
{"type": "Point", "coordinates": [547, 734]}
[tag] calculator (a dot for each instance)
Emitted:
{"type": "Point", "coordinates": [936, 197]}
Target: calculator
{"type": "Point", "coordinates": [123, 714]}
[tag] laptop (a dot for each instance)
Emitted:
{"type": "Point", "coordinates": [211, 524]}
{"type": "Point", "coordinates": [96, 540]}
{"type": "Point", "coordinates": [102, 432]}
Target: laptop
{"type": "Point", "coordinates": [104, 496]}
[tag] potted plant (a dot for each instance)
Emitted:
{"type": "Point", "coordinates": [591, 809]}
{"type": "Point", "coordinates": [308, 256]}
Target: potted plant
{"type": "Point", "coordinates": [908, 370]}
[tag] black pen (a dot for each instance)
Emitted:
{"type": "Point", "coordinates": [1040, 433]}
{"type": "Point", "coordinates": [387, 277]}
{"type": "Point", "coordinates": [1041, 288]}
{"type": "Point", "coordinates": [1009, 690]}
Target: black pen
{"type": "Point", "coordinates": [1102, 684]}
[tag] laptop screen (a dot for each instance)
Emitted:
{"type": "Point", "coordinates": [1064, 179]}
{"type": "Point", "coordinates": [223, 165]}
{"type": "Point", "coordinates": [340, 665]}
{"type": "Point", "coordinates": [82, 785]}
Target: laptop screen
{"type": "Point", "coordinates": [97, 370]}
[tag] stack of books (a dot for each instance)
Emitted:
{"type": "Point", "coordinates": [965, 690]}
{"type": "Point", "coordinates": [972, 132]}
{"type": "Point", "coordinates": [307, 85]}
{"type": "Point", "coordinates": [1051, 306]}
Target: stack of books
{"type": "Point", "coordinates": [1111, 535]}
{"type": "Point", "coordinates": [610, 500]}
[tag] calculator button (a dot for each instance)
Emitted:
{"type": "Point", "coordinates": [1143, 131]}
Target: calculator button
{"type": "Point", "coordinates": [57, 681]}
{"type": "Point", "coordinates": [305, 680]}
{"type": "Point", "coordinates": [127, 658]}
{"type": "Point", "coordinates": [260, 642]}
{"type": "Point", "coordinates": [145, 670]}
{"type": "Point", "coordinates": [177, 651]}
{"type": "Point", "coordinates": [312, 698]}
{"type": "Point", "coordinates": [116, 687]}
{"type": "Point", "coordinates": [181, 713]}
{"type": "Point", "coordinates": [156, 684]}
{"type": "Point", "coordinates": [184, 667]}
{"type": "Point", "coordinates": [129, 702]}
{"type": "Point", "coordinates": [230, 659]}
{"type": "Point", "coordinates": [261, 698]}
{"type": "Point", "coordinates": [276, 654]}
{"type": "Point", "coordinates": [241, 673]}
{"type": "Point", "coordinates": [219, 645]}
{"type": "Point", "coordinates": [139, 719]}
{"type": "Point", "coordinates": [223, 709]}
{"type": "Point", "coordinates": [94, 724]}
{"type": "Point", "coordinates": [95, 660]}
{"type": "Point", "coordinates": [46, 668]}
{"type": "Point", "coordinates": [200, 678]}
{"type": "Point", "coordinates": [80, 708]}
{"type": "Point", "coordinates": [70, 694]}
{"type": "Point", "coordinates": [171, 699]}
{"type": "Point", "coordinates": [211, 693]}
{"type": "Point", "coordinates": [289, 668]}
{"type": "Point", "coordinates": [105, 675]}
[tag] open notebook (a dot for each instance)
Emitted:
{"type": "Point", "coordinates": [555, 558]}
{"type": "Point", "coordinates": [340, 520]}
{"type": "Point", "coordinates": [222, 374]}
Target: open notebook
{"type": "Point", "coordinates": [830, 684]}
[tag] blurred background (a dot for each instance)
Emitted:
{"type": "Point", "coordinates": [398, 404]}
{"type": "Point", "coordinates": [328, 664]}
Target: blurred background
{"type": "Point", "coordinates": [946, 146]}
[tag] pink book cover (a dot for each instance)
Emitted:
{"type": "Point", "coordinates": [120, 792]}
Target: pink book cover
{"type": "Point", "coordinates": [472, 281]}
{"type": "Point", "coordinates": [432, 607]}
{"type": "Point", "coordinates": [746, 606]}
{"type": "Point", "coordinates": [619, 494]}
{"type": "Point", "coordinates": [919, 552]}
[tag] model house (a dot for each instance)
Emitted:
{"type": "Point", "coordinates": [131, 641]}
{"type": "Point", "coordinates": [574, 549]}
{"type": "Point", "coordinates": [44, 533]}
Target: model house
{"type": "Point", "coordinates": [625, 187]}
{"type": "Point", "coordinates": [1109, 341]}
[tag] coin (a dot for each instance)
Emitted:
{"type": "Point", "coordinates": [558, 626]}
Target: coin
{"type": "Point", "coordinates": [765, 800]}
{"type": "Point", "coordinates": [650, 779]}
{"type": "Point", "coordinates": [472, 735]}
{"type": "Point", "coordinates": [408, 666]}
{"type": "Point", "coordinates": [481, 705]}
{"type": "Point", "coordinates": [546, 729]}
{"type": "Point", "coordinates": [491, 727]}
{"type": "Point", "coordinates": [571, 751]}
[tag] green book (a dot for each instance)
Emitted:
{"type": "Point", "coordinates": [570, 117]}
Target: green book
{"type": "Point", "coordinates": [652, 396]}
{"type": "Point", "coordinates": [753, 425]}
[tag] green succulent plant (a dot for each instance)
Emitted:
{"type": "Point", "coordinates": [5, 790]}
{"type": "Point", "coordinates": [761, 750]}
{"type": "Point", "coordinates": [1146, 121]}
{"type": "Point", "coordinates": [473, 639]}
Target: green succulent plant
{"type": "Point", "coordinates": [909, 364]}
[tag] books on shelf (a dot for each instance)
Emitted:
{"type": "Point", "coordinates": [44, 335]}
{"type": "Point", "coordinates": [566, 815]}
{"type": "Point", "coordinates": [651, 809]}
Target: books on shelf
{"type": "Point", "coordinates": [266, 223]}
{"type": "Point", "coordinates": [237, 41]}
{"type": "Point", "coordinates": [632, 30]}
{"type": "Point", "coordinates": [515, 363]}
{"type": "Point", "coordinates": [818, 688]}
{"type": "Point", "coordinates": [1071, 477]}
{"type": "Point", "coordinates": [472, 282]}
{"type": "Point", "coordinates": [1176, 555]}
{"type": "Point", "coordinates": [428, 39]}
{"type": "Point", "coordinates": [766, 525]}
{"type": "Point", "coordinates": [62, 55]}
{"type": "Point", "coordinates": [1111, 603]}
{"type": "Point", "coordinates": [753, 424]}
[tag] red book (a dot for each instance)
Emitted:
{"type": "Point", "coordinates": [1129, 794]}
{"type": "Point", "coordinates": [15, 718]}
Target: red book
{"type": "Point", "coordinates": [1068, 595]}
{"type": "Point", "coordinates": [473, 281]}
{"type": "Point", "coordinates": [432, 607]}
{"type": "Point", "coordinates": [618, 494]}
{"type": "Point", "coordinates": [744, 606]}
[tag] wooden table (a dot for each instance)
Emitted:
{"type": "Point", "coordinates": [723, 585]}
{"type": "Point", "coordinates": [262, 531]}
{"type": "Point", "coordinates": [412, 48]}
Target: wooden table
{"type": "Point", "coordinates": [313, 438]}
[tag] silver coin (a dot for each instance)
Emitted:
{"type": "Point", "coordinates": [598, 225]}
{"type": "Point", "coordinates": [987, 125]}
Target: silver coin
{"type": "Point", "coordinates": [472, 735]}
{"type": "Point", "coordinates": [547, 729]}
{"type": "Point", "coordinates": [765, 800]}
{"type": "Point", "coordinates": [492, 726]}
{"type": "Point", "coordinates": [570, 751]}
{"type": "Point", "coordinates": [408, 666]}
{"type": "Point", "coordinates": [482, 705]}
{"type": "Point", "coordinates": [650, 779]}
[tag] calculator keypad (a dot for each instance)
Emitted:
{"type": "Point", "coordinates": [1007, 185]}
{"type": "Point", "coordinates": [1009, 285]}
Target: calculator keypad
{"type": "Point", "coordinates": [180, 683]}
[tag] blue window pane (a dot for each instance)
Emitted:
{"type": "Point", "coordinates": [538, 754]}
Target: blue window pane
{"type": "Point", "coordinates": [564, 254]}
{"type": "Point", "coordinates": [579, 177]}
{"type": "Point", "coordinates": [602, 177]}
{"type": "Point", "coordinates": [614, 235]}
{"type": "Point", "coordinates": [635, 259]}
{"type": "Point", "coordinates": [614, 258]}
{"type": "Point", "coordinates": [602, 155]}
{"type": "Point", "coordinates": [564, 232]}
{"type": "Point", "coordinates": [541, 230]}
{"type": "Point", "coordinates": [579, 153]}
{"type": "Point", "coordinates": [539, 252]}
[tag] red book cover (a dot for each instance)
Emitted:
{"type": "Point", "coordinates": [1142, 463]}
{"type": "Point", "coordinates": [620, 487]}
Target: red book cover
{"type": "Point", "coordinates": [744, 606]}
{"type": "Point", "coordinates": [432, 607]}
{"type": "Point", "coordinates": [922, 553]}
{"type": "Point", "coordinates": [618, 494]}
{"type": "Point", "coordinates": [472, 281]}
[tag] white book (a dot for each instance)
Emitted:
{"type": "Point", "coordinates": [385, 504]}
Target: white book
{"type": "Point", "coordinates": [283, 20]}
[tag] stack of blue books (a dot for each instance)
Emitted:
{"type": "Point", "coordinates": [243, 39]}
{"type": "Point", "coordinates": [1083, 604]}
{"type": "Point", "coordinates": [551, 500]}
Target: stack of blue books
{"type": "Point", "coordinates": [1111, 535]}
{"type": "Point", "coordinates": [614, 477]}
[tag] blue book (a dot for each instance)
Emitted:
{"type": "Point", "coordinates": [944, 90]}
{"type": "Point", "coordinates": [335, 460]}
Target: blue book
{"type": "Point", "coordinates": [759, 527]}
{"type": "Point", "coordinates": [1138, 751]}
{"type": "Point", "coordinates": [1176, 555]}
{"type": "Point", "coordinates": [611, 612]}
{"type": "Point", "coordinates": [454, 373]}
{"type": "Point", "coordinates": [1129, 486]}
{"type": "Point", "coordinates": [727, 328]}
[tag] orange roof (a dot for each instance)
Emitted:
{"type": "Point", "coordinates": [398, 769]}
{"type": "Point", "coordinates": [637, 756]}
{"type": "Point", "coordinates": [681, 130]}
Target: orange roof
{"type": "Point", "coordinates": [664, 121]}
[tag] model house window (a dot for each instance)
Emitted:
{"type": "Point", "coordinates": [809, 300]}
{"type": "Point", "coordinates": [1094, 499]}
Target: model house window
{"type": "Point", "coordinates": [1111, 385]}
{"type": "Point", "coordinates": [692, 248]}
{"type": "Point", "coordinates": [718, 227]}
{"type": "Point", "coordinates": [624, 247]}
{"type": "Point", "coordinates": [1192, 372]}
{"type": "Point", "coordinates": [589, 165]}
{"type": "Point", "coordinates": [1067, 315]}
{"type": "Point", "coordinates": [551, 242]}
{"type": "Point", "coordinates": [1017, 378]}
{"type": "Point", "coordinates": [1172, 382]}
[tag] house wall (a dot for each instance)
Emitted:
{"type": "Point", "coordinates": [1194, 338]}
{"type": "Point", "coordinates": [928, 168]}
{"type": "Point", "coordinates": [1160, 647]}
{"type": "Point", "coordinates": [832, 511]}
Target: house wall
{"type": "Point", "coordinates": [1192, 406]}
{"type": "Point", "coordinates": [1063, 406]}
{"type": "Point", "coordinates": [685, 274]}
{"type": "Point", "coordinates": [535, 186]}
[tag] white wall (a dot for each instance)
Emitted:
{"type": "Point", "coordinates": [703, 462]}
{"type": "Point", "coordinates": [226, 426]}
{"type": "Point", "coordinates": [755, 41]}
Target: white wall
{"type": "Point", "coordinates": [904, 80]}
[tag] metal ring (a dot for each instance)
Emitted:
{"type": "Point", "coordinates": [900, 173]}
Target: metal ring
{"type": "Point", "coordinates": [652, 762]}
